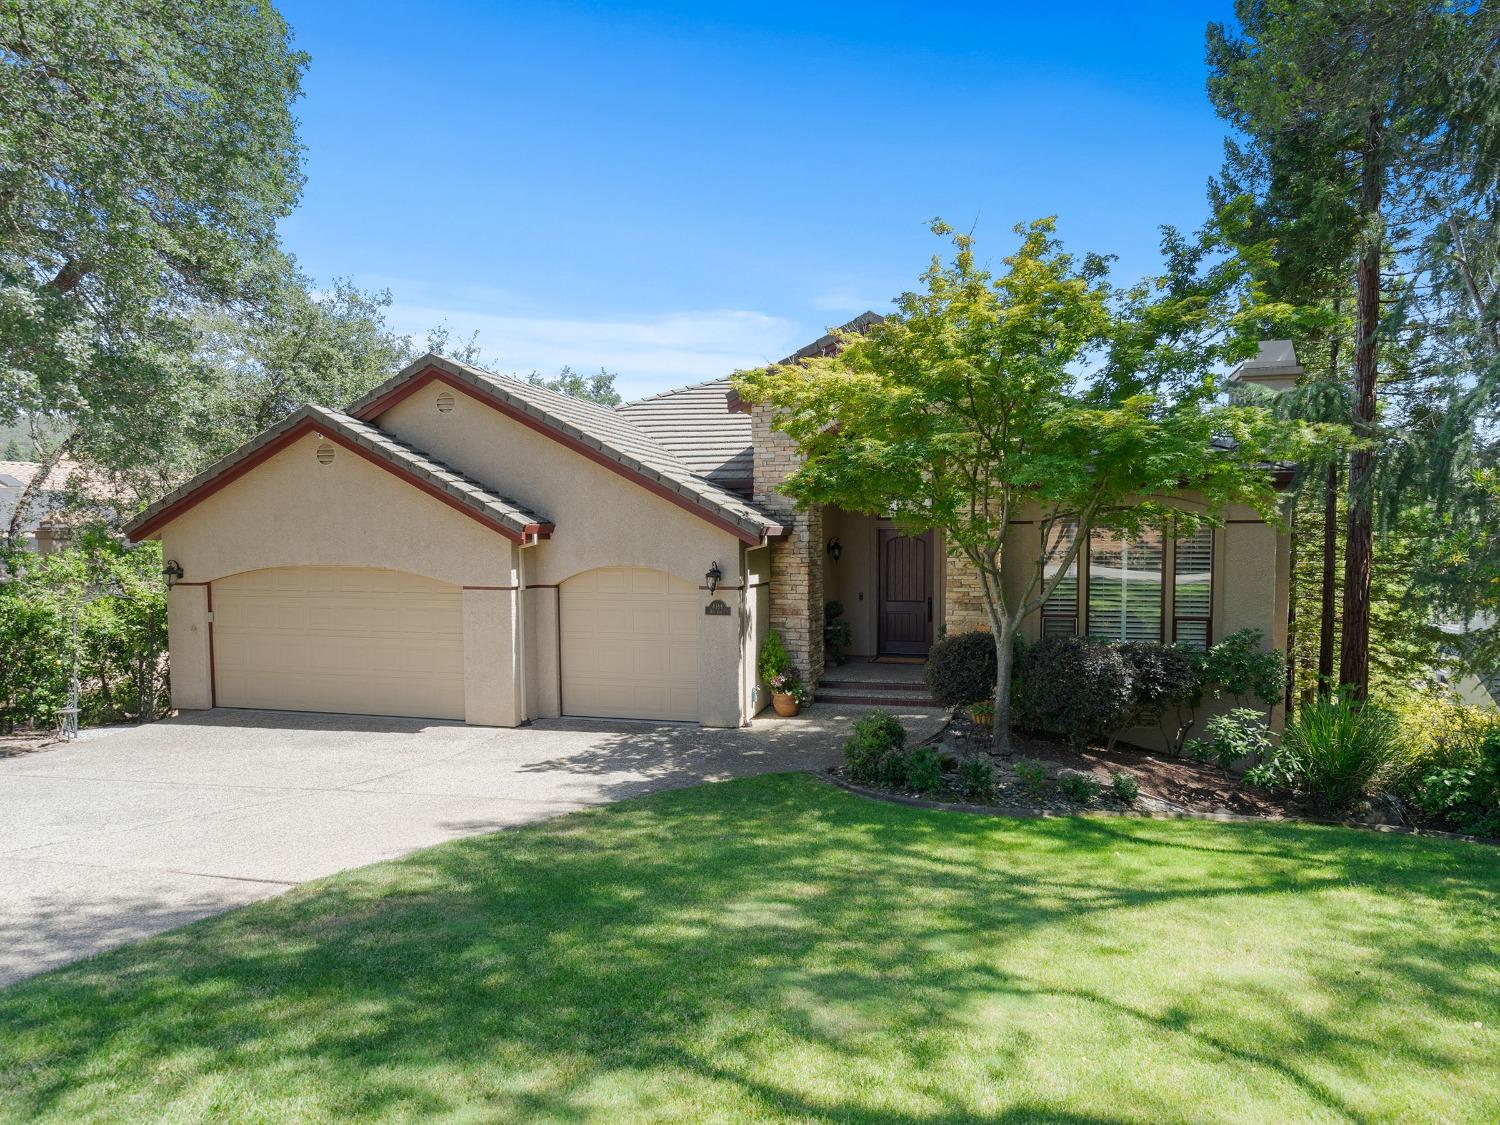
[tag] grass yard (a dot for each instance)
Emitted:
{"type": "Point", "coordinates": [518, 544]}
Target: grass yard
{"type": "Point", "coordinates": [778, 949]}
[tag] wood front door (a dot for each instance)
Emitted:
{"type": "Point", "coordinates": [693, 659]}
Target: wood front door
{"type": "Point", "coordinates": [905, 608]}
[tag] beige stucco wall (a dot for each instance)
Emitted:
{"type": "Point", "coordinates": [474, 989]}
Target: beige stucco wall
{"type": "Point", "coordinates": [293, 511]}
{"type": "Point", "coordinates": [602, 520]}
{"type": "Point", "coordinates": [494, 676]}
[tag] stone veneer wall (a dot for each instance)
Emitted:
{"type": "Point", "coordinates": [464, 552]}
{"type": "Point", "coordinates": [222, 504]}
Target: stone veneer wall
{"type": "Point", "coordinates": [797, 558]}
{"type": "Point", "coordinates": [963, 596]}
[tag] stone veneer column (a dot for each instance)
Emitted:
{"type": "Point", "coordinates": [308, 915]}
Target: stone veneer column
{"type": "Point", "coordinates": [797, 558]}
{"type": "Point", "coordinates": [963, 596]}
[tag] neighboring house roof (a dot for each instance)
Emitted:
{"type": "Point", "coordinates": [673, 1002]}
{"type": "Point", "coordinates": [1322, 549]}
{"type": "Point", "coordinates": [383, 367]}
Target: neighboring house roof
{"type": "Point", "coordinates": [607, 437]}
{"type": "Point", "coordinates": [695, 424]}
{"type": "Point", "coordinates": [375, 445]}
{"type": "Point", "coordinates": [16, 475]}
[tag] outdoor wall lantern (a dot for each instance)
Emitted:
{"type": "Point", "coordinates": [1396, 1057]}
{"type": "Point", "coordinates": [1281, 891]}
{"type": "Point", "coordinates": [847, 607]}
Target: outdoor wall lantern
{"type": "Point", "coordinates": [835, 548]}
{"type": "Point", "coordinates": [714, 576]}
{"type": "Point", "coordinates": [172, 572]}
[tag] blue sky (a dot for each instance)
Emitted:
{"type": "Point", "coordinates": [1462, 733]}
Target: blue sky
{"type": "Point", "coordinates": [672, 191]}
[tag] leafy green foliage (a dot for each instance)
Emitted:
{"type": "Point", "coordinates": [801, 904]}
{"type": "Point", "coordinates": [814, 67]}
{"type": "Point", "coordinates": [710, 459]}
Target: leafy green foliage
{"type": "Point", "coordinates": [598, 388]}
{"type": "Point", "coordinates": [970, 405]}
{"type": "Point", "coordinates": [960, 669]}
{"type": "Point", "coordinates": [1236, 736]}
{"type": "Point", "coordinates": [892, 770]}
{"type": "Point", "coordinates": [1033, 776]}
{"type": "Point", "coordinates": [1081, 788]}
{"type": "Point", "coordinates": [1449, 765]}
{"type": "Point", "coordinates": [976, 777]}
{"type": "Point", "coordinates": [1076, 687]}
{"type": "Point", "coordinates": [875, 735]}
{"type": "Point", "coordinates": [774, 659]}
{"type": "Point", "coordinates": [1335, 749]}
{"type": "Point", "coordinates": [115, 597]}
{"type": "Point", "coordinates": [924, 772]}
{"type": "Point", "coordinates": [837, 635]}
{"type": "Point", "coordinates": [147, 152]}
{"type": "Point", "coordinates": [1125, 787]}
{"type": "Point", "coordinates": [1239, 667]}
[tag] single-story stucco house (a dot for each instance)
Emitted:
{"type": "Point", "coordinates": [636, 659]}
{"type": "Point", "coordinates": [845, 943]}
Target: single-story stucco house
{"type": "Point", "coordinates": [462, 545]}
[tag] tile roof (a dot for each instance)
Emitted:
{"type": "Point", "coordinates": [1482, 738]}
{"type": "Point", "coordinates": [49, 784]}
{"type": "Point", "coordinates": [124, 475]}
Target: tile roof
{"type": "Point", "coordinates": [407, 458]}
{"type": "Point", "coordinates": [695, 423]}
{"type": "Point", "coordinates": [613, 435]}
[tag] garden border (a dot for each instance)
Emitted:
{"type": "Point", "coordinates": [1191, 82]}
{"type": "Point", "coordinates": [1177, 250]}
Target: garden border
{"type": "Point", "coordinates": [1021, 812]}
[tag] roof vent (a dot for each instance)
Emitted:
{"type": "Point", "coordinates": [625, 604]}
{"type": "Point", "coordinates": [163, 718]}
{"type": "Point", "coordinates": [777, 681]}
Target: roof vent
{"type": "Point", "coordinates": [325, 454]}
{"type": "Point", "coordinates": [445, 402]}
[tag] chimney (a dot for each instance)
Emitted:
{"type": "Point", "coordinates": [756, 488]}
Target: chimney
{"type": "Point", "coordinates": [1274, 367]}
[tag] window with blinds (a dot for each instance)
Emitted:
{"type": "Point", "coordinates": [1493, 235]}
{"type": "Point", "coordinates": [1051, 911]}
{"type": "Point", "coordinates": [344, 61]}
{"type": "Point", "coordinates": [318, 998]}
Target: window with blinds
{"type": "Point", "coordinates": [1193, 588]}
{"type": "Point", "coordinates": [1060, 611]}
{"type": "Point", "coordinates": [1125, 587]}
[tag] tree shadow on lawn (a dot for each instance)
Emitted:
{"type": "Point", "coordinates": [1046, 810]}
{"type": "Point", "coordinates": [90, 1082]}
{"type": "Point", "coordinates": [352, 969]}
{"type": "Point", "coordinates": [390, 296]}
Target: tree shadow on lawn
{"type": "Point", "coordinates": [780, 948]}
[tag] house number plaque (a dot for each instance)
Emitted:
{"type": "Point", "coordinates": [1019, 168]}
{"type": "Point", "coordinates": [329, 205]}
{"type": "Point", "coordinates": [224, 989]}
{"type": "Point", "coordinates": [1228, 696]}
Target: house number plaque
{"type": "Point", "coordinates": [717, 608]}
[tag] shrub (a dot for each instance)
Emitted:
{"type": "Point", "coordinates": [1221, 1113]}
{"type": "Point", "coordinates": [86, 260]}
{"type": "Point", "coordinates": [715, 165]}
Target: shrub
{"type": "Point", "coordinates": [116, 596]}
{"type": "Point", "coordinates": [874, 735]}
{"type": "Point", "coordinates": [893, 769]}
{"type": "Point", "coordinates": [1449, 767]}
{"type": "Point", "coordinates": [774, 658]}
{"type": "Point", "coordinates": [924, 773]}
{"type": "Point", "coordinates": [881, 726]}
{"type": "Point", "coordinates": [976, 777]}
{"type": "Point", "coordinates": [1232, 737]}
{"type": "Point", "coordinates": [1335, 749]}
{"type": "Point", "coordinates": [1239, 667]}
{"type": "Point", "coordinates": [1164, 682]}
{"type": "Point", "coordinates": [961, 669]}
{"type": "Point", "coordinates": [836, 632]}
{"type": "Point", "coordinates": [1075, 687]}
{"type": "Point", "coordinates": [1033, 776]}
{"type": "Point", "coordinates": [1082, 788]}
{"type": "Point", "coordinates": [1125, 787]}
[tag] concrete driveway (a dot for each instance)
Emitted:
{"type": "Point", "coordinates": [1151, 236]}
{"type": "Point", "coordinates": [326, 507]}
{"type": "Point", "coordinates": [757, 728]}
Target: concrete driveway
{"type": "Point", "coordinates": [147, 828]}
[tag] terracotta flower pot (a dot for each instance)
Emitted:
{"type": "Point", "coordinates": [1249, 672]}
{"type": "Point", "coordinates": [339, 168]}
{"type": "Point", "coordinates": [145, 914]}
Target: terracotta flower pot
{"type": "Point", "coordinates": [984, 719]}
{"type": "Point", "coordinates": [785, 705]}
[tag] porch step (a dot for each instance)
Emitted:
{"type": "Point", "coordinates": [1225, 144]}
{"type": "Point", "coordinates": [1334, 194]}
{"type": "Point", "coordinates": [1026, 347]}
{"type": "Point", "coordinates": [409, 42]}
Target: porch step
{"type": "Point", "coordinates": [874, 693]}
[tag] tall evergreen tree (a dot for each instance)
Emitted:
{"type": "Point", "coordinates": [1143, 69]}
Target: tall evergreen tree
{"type": "Point", "coordinates": [1401, 98]}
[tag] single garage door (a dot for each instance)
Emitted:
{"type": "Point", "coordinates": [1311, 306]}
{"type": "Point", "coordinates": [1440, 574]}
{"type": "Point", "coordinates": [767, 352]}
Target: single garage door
{"type": "Point", "coordinates": [630, 645]}
{"type": "Point", "coordinates": [373, 642]}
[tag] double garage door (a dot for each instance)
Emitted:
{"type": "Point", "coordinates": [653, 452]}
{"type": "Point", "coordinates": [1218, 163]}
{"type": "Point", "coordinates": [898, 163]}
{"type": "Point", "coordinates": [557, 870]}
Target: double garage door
{"type": "Point", "coordinates": [373, 642]}
{"type": "Point", "coordinates": [381, 642]}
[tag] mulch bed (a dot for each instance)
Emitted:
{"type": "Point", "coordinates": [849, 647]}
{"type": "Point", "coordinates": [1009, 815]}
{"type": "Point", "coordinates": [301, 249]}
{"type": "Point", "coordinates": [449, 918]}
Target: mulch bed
{"type": "Point", "coordinates": [1167, 784]}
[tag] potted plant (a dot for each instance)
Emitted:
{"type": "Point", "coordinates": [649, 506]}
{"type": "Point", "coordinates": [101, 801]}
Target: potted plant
{"type": "Point", "coordinates": [789, 694]}
{"type": "Point", "coordinates": [983, 714]}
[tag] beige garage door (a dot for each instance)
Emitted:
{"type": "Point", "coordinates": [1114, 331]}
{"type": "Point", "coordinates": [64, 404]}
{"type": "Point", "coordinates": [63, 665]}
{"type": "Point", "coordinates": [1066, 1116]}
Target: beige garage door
{"type": "Point", "coordinates": [373, 642]}
{"type": "Point", "coordinates": [630, 645]}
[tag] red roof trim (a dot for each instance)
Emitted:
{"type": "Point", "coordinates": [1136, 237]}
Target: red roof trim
{"type": "Point", "coordinates": [436, 374]}
{"type": "Point", "coordinates": [301, 429]}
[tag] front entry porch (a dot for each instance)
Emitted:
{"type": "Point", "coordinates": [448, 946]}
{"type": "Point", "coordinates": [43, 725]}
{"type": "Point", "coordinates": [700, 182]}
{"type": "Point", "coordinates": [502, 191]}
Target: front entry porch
{"type": "Point", "coordinates": [889, 585]}
{"type": "Point", "coordinates": [894, 682]}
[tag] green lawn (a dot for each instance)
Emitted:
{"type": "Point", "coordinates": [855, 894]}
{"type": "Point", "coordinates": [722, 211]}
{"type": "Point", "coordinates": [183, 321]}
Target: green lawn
{"type": "Point", "coordinates": [778, 949]}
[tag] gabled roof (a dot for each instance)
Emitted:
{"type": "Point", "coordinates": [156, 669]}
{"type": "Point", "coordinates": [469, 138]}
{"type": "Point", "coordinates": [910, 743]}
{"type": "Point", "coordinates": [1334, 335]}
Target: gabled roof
{"type": "Point", "coordinates": [432, 476]}
{"type": "Point", "coordinates": [824, 345]}
{"type": "Point", "coordinates": [695, 424]}
{"type": "Point", "coordinates": [605, 436]}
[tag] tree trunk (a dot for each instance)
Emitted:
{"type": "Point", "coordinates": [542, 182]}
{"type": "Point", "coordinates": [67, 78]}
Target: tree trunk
{"type": "Point", "coordinates": [1330, 584]}
{"type": "Point", "coordinates": [1359, 545]}
{"type": "Point", "coordinates": [1005, 653]}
